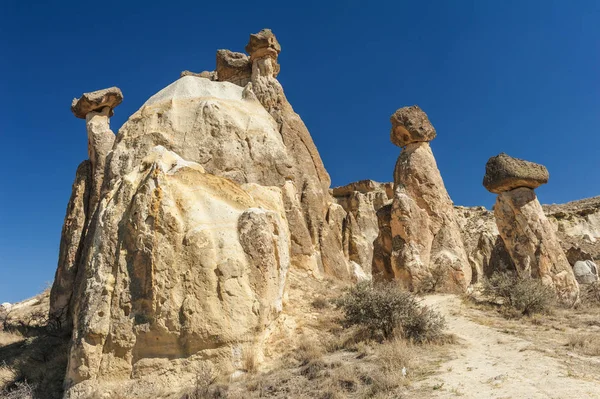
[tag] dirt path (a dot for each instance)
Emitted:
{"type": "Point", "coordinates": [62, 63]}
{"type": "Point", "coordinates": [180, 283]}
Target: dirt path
{"type": "Point", "coordinates": [492, 364]}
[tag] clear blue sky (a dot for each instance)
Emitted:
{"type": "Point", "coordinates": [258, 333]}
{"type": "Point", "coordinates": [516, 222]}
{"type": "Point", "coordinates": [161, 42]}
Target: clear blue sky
{"type": "Point", "coordinates": [521, 77]}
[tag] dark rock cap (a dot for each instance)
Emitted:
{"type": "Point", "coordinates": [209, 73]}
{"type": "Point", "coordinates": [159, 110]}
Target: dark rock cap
{"type": "Point", "coordinates": [411, 125]}
{"type": "Point", "coordinates": [505, 173]}
{"type": "Point", "coordinates": [96, 100]}
{"type": "Point", "coordinates": [233, 67]}
{"type": "Point", "coordinates": [263, 43]}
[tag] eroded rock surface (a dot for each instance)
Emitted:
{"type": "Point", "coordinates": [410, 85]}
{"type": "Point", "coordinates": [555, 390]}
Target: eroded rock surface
{"type": "Point", "coordinates": [530, 239]}
{"type": "Point", "coordinates": [426, 239]}
{"type": "Point", "coordinates": [504, 173]}
{"type": "Point", "coordinates": [361, 200]}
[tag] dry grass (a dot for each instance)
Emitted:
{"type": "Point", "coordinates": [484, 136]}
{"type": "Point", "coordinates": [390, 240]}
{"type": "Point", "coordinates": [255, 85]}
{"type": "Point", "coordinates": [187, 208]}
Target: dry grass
{"type": "Point", "coordinates": [587, 344]}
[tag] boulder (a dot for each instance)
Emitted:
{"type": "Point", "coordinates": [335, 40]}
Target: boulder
{"type": "Point", "coordinates": [532, 243]}
{"type": "Point", "coordinates": [586, 272]}
{"type": "Point", "coordinates": [178, 264]}
{"type": "Point", "coordinates": [411, 125]}
{"type": "Point", "coordinates": [505, 173]}
{"type": "Point", "coordinates": [97, 100]}
{"type": "Point", "coordinates": [233, 67]}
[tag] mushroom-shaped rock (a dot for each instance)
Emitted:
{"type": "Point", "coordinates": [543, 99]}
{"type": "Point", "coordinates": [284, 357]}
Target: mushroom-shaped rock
{"type": "Point", "coordinates": [233, 67]}
{"type": "Point", "coordinates": [505, 173]}
{"type": "Point", "coordinates": [97, 100]}
{"type": "Point", "coordinates": [263, 43]}
{"type": "Point", "coordinates": [411, 125]}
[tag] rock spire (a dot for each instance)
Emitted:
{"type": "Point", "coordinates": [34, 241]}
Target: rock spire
{"type": "Point", "coordinates": [527, 234]}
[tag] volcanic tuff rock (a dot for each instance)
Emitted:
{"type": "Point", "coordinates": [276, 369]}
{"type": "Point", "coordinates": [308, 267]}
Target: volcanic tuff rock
{"type": "Point", "coordinates": [426, 238]}
{"type": "Point", "coordinates": [361, 200]}
{"type": "Point", "coordinates": [411, 125]}
{"type": "Point", "coordinates": [527, 234]}
{"type": "Point", "coordinates": [96, 100]}
{"type": "Point", "coordinates": [504, 173]}
{"type": "Point", "coordinates": [180, 231]}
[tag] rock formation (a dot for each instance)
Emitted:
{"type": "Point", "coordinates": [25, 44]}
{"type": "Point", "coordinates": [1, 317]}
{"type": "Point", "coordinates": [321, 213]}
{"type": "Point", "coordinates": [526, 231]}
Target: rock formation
{"type": "Point", "coordinates": [586, 272]}
{"type": "Point", "coordinates": [426, 239]}
{"type": "Point", "coordinates": [361, 200]}
{"type": "Point", "coordinates": [527, 234]}
{"type": "Point", "coordinates": [180, 231]}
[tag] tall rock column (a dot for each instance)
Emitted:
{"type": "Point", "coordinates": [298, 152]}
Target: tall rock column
{"type": "Point", "coordinates": [527, 234]}
{"type": "Point", "coordinates": [426, 243]}
{"type": "Point", "coordinates": [306, 191]}
{"type": "Point", "coordinates": [97, 108]}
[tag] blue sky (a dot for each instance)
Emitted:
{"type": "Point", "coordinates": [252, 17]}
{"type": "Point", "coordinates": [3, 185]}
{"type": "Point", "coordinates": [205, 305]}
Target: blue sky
{"type": "Point", "coordinates": [521, 77]}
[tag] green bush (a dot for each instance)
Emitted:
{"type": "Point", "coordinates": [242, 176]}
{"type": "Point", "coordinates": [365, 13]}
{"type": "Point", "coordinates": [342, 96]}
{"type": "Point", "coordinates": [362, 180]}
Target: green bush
{"type": "Point", "coordinates": [525, 295]}
{"type": "Point", "coordinates": [385, 310]}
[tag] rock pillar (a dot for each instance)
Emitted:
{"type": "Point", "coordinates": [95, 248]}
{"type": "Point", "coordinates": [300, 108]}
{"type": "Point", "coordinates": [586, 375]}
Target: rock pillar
{"type": "Point", "coordinates": [527, 234]}
{"type": "Point", "coordinates": [427, 249]}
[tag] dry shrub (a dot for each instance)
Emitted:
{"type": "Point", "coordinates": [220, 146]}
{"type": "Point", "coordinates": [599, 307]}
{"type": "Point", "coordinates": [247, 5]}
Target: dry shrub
{"type": "Point", "coordinates": [204, 387]}
{"type": "Point", "coordinates": [523, 296]}
{"type": "Point", "coordinates": [590, 294]}
{"type": "Point", "coordinates": [588, 344]}
{"type": "Point", "coordinates": [433, 282]}
{"type": "Point", "coordinates": [320, 303]}
{"type": "Point", "coordinates": [19, 390]}
{"type": "Point", "coordinates": [384, 310]}
{"type": "Point", "coordinates": [249, 359]}
{"type": "Point", "coordinates": [308, 350]}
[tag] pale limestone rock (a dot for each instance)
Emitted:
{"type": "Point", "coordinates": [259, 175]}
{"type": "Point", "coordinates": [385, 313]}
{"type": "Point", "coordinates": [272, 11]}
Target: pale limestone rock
{"type": "Point", "coordinates": [183, 264]}
{"type": "Point", "coordinates": [425, 234]}
{"type": "Point", "coordinates": [504, 173]}
{"type": "Point", "coordinates": [485, 249]}
{"type": "Point", "coordinates": [361, 200]}
{"type": "Point", "coordinates": [531, 241]}
{"type": "Point", "coordinates": [586, 272]}
{"type": "Point", "coordinates": [71, 243]}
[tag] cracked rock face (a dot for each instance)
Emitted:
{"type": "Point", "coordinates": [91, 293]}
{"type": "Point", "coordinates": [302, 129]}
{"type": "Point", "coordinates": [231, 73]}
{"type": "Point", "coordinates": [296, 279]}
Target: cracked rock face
{"type": "Point", "coordinates": [532, 243]}
{"type": "Point", "coordinates": [411, 125]}
{"type": "Point", "coordinates": [426, 239]}
{"type": "Point", "coordinates": [504, 173]}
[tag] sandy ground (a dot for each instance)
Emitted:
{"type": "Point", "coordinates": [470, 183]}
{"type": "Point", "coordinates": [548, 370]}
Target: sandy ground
{"type": "Point", "coordinates": [488, 363]}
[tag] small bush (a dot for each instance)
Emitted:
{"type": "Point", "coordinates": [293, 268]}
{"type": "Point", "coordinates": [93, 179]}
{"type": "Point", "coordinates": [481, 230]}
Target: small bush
{"type": "Point", "coordinates": [587, 344]}
{"type": "Point", "coordinates": [590, 293]}
{"type": "Point", "coordinates": [386, 310]}
{"type": "Point", "coordinates": [320, 303]}
{"type": "Point", "coordinates": [527, 296]}
{"type": "Point", "coordinates": [20, 390]}
{"type": "Point", "coordinates": [433, 282]}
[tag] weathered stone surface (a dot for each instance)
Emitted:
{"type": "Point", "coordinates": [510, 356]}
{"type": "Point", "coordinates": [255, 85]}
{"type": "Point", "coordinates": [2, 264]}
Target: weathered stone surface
{"type": "Point", "coordinates": [100, 142]}
{"type": "Point", "coordinates": [96, 101]}
{"type": "Point", "coordinates": [531, 241]}
{"type": "Point", "coordinates": [576, 254]}
{"type": "Point", "coordinates": [505, 173]}
{"type": "Point", "coordinates": [485, 249]}
{"type": "Point", "coordinates": [577, 224]}
{"type": "Point", "coordinates": [382, 246]}
{"type": "Point", "coordinates": [233, 67]}
{"type": "Point", "coordinates": [425, 235]}
{"type": "Point", "coordinates": [178, 263]}
{"type": "Point", "coordinates": [71, 243]}
{"type": "Point", "coordinates": [361, 200]}
{"type": "Point", "coordinates": [586, 272]}
{"type": "Point", "coordinates": [263, 43]}
{"type": "Point", "coordinates": [211, 75]}
{"type": "Point", "coordinates": [411, 125]}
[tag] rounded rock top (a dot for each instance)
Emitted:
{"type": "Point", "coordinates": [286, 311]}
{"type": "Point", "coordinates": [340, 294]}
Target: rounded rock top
{"type": "Point", "coordinates": [96, 101]}
{"type": "Point", "coordinates": [411, 125]}
{"type": "Point", "coordinates": [505, 173]}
